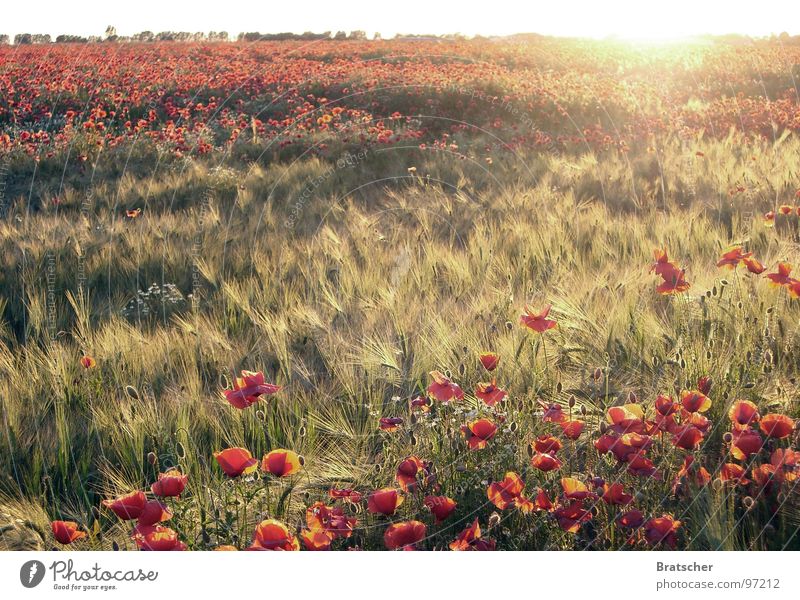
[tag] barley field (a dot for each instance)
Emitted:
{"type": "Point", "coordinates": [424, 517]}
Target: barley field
{"type": "Point", "coordinates": [294, 295]}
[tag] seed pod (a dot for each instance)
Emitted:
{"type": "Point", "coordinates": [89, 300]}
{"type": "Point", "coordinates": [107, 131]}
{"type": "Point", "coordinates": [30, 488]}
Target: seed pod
{"type": "Point", "coordinates": [152, 458]}
{"type": "Point", "coordinates": [727, 437]}
{"type": "Point", "coordinates": [132, 392]}
{"type": "Point", "coordinates": [462, 368]}
{"type": "Point", "coordinates": [571, 402]}
{"type": "Point", "coordinates": [559, 387]}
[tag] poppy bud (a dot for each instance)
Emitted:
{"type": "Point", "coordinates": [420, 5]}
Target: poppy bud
{"type": "Point", "coordinates": [598, 374]}
{"type": "Point", "coordinates": [583, 410]}
{"type": "Point", "coordinates": [465, 349]}
{"type": "Point", "coordinates": [559, 387]}
{"type": "Point", "coordinates": [115, 546]}
{"type": "Point", "coordinates": [724, 282]}
{"type": "Point", "coordinates": [180, 451]}
{"type": "Point", "coordinates": [132, 392]}
{"type": "Point", "coordinates": [530, 450]}
{"type": "Point", "coordinates": [632, 399]}
{"type": "Point", "coordinates": [461, 468]}
{"type": "Point", "coordinates": [462, 368]}
{"type": "Point", "coordinates": [708, 294]}
{"type": "Point", "coordinates": [571, 401]}
{"type": "Point", "coordinates": [748, 502]}
{"type": "Point", "coordinates": [302, 431]}
{"type": "Point", "coordinates": [448, 374]}
{"type": "Point", "coordinates": [224, 382]}
{"type": "Point", "coordinates": [412, 440]}
{"type": "Point", "coordinates": [152, 458]}
{"type": "Point", "coordinates": [714, 291]}
{"type": "Point", "coordinates": [509, 325]}
{"type": "Point", "coordinates": [603, 427]}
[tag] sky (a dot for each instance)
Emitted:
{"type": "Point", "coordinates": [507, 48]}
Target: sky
{"type": "Point", "coordinates": [631, 19]}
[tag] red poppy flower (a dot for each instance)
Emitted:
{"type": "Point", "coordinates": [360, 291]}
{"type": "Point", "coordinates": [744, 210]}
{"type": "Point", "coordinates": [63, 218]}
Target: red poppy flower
{"type": "Point", "coordinates": [745, 442]}
{"type": "Point", "coordinates": [490, 393]}
{"type": "Point", "coordinates": [788, 461]}
{"type": "Point", "coordinates": [623, 447]}
{"type": "Point", "coordinates": [642, 466]}
{"type": "Point", "coordinates": [405, 535]}
{"type": "Point", "coordinates": [769, 218]}
{"type": "Point", "coordinates": [471, 539]}
{"type": "Point", "coordinates": [768, 477]}
{"type": "Point", "coordinates": [776, 426]}
{"type": "Point", "coordinates": [695, 401]}
{"type": "Point", "coordinates": [422, 403]}
{"type": "Point", "coordinates": [440, 506]}
{"type": "Point", "coordinates": [489, 360]}
{"type": "Point", "coordinates": [633, 519]}
{"type": "Point", "coordinates": [690, 474]}
{"type": "Point", "coordinates": [127, 507]}
{"type": "Point", "coordinates": [443, 389]}
{"type": "Point", "coordinates": [537, 321]}
{"type": "Point", "coordinates": [281, 463]}
{"type": "Point", "coordinates": [615, 494]}
{"type": "Point", "coordinates": [628, 418]}
{"type": "Point", "coordinates": [153, 512]}
{"type": "Point", "coordinates": [663, 265]}
{"type": "Point", "coordinates": [132, 214]}
{"type": "Point", "coordinates": [571, 517]}
{"type": "Point", "coordinates": [732, 258]}
{"type": "Point", "coordinates": [171, 483]}
{"type": "Point", "coordinates": [331, 520]}
{"type": "Point", "coordinates": [236, 461]}
{"type": "Point", "coordinates": [552, 413]}
{"type": "Point", "coordinates": [542, 502]}
{"type": "Point", "coordinates": [384, 501]}
{"type": "Point", "coordinates": [545, 462]}
{"type": "Point", "coordinates": [666, 406]}
{"type": "Point", "coordinates": [687, 437]}
{"type": "Point", "coordinates": [87, 362]}
{"type": "Point", "coordinates": [785, 209]}
{"type": "Point", "coordinates": [66, 532]}
{"type": "Point", "coordinates": [407, 473]}
{"type": "Point", "coordinates": [157, 538]}
{"type": "Point", "coordinates": [345, 494]}
{"type": "Point", "coordinates": [390, 423]}
{"type": "Point", "coordinates": [478, 433]}
{"type": "Point", "coordinates": [733, 472]}
{"type": "Point", "coordinates": [781, 277]}
{"type": "Point", "coordinates": [547, 444]}
{"type": "Point", "coordinates": [743, 413]}
{"type": "Point", "coordinates": [248, 389]}
{"type": "Point", "coordinates": [704, 384]}
{"type": "Point", "coordinates": [572, 429]}
{"type": "Point", "coordinates": [509, 492]}
{"type": "Point", "coordinates": [662, 530]}
{"type": "Point", "coordinates": [273, 535]}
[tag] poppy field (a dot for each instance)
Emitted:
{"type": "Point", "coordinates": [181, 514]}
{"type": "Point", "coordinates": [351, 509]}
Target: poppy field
{"type": "Point", "coordinates": [417, 294]}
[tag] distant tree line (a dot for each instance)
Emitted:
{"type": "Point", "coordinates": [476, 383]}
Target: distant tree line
{"type": "Point", "coordinates": [212, 36]}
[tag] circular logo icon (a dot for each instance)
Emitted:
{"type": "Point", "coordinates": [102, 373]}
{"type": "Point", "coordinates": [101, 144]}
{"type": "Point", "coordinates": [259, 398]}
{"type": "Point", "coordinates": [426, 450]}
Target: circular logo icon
{"type": "Point", "coordinates": [31, 573]}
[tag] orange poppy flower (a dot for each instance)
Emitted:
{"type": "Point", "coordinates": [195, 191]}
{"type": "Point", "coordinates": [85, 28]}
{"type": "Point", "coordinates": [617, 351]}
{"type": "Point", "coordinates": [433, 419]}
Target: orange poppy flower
{"type": "Point", "coordinates": [384, 501]}
{"type": "Point", "coordinates": [248, 389]}
{"type": "Point", "coordinates": [691, 475]}
{"type": "Point", "coordinates": [633, 519]}
{"type": "Point", "coordinates": [575, 489]}
{"type": "Point", "coordinates": [768, 477]}
{"type": "Point", "coordinates": [745, 442]}
{"type": "Point", "coordinates": [538, 322]}
{"type": "Point", "coordinates": [87, 362]}
{"type": "Point", "coordinates": [754, 266]}
{"type": "Point", "coordinates": [695, 401]}
{"type": "Point", "coordinates": [662, 530]}
{"type": "Point", "coordinates": [785, 209]}
{"type": "Point", "coordinates": [542, 502]}
{"type": "Point", "coordinates": [281, 463]}
{"type": "Point", "coordinates": [236, 461]}
{"type": "Point", "coordinates": [443, 389]}
{"type": "Point", "coordinates": [571, 517]}
{"type": "Point", "coordinates": [490, 393]}
{"type": "Point", "coordinates": [614, 494]}
{"type": "Point", "coordinates": [776, 426]}
{"type": "Point", "coordinates": [390, 424]}
{"type": "Point", "coordinates": [478, 433]}
{"type": "Point", "coordinates": [127, 507]}
{"type": "Point", "coordinates": [273, 535]}
{"type": "Point", "coordinates": [132, 214]}
{"type": "Point", "coordinates": [154, 512]}
{"type": "Point", "coordinates": [422, 403]}
{"type": "Point", "coordinates": [471, 539]}
{"type": "Point", "coordinates": [66, 532]}
{"type": "Point", "coordinates": [405, 535]}
{"type": "Point", "coordinates": [666, 406]}
{"type": "Point", "coordinates": [733, 472]}
{"type": "Point", "coordinates": [642, 466]}
{"type": "Point", "coordinates": [509, 492]}
{"type": "Point", "coordinates": [572, 429]}
{"type": "Point", "coordinates": [769, 218]}
{"type": "Point", "coordinates": [743, 413]}
{"type": "Point", "coordinates": [171, 483]}
{"type": "Point", "coordinates": [547, 444]}
{"type": "Point", "coordinates": [781, 276]}
{"type": "Point", "coordinates": [316, 539]}
{"type": "Point", "coordinates": [440, 506]}
{"type": "Point", "coordinates": [345, 494]}
{"type": "Point", "coordinates": [552, 413]}
{"type": "Point", "coordinates": [157, 538]}
{"type": "Point", "coordinates": [545, 462]}
{"type": "Point", "coordinates": [489, 360]}
{"type": "Point", "coordinates": [788, 461]}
